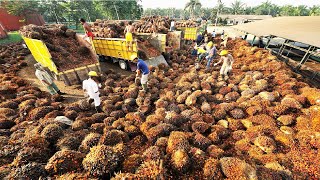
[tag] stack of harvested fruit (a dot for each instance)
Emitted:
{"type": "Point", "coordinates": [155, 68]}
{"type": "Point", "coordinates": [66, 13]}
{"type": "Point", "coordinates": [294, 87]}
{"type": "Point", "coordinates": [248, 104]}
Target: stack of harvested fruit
{"type": "Point", "coordinates": [66, 51]}
{"type": "Point", "coordinates": [108, 29]}
{"type": "Point", "coordinates": [187, 23]}
{"type": "Point", "coordinates": [115, 29]}
{"type": "Point", "coordinates": [262, 123]}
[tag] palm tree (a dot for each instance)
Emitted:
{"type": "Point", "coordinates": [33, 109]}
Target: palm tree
{"type": "Point", "coordinates": [314, 11]}
{"type": "Point", "coordinates": [301, 11]}
{"type": "Point", "coordinates": [237, 7]}
{"type": "Point", "coordinates": [219, 9]}
{"type": "Point", "coordinates": [192, 6]}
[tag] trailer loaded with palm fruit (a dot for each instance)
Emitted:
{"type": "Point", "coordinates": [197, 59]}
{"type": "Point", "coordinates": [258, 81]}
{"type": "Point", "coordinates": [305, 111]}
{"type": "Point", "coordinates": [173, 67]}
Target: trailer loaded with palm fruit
{"type": "Point", "coordinates": [66, 55]}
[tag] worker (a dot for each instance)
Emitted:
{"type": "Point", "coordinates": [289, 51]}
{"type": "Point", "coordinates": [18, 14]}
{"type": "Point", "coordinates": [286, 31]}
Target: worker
{"type": "Point", "coordinates": [222, 34]}
{"type": "Point", "coordinates": [172, 25]}
{"type": "Point", "coordinates": [143, 68]}
{"type": "Point", "coordinates": [213, 33]}
{"type": "Point", "coordinates": [91, 87]}
{"type": "Point", "coordinates": [87, 28]}
{"type": "Point", "coordinates": [225, 40]}
{"type": "Point", "coordinates": [47, 80]}
{"type": "Point", "coordinates": [227, 64]}
{"type": "Point", "coordinates": [195, 48]}
{"type": "Point", "coordinates": [202, 52]}
{"type": "Point", "coordinates": [199, 39]}
{"type": "Point", "coordinates": [211, 54]}
{"type": "Point", "coordinates": [129, 38]}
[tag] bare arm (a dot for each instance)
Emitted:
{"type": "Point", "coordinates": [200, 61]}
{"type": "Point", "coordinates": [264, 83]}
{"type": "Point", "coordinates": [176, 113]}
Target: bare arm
{"type": "Point", "coordinates": [218, 61]}
{"type": "Point", "coordinates": [137, 72]}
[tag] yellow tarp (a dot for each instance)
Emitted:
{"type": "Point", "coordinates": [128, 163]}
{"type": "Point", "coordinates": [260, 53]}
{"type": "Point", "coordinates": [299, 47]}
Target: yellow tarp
{"type": "Point", "coordinates": [40, 53]}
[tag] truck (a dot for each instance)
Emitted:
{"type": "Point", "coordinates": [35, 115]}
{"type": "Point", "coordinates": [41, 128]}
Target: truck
{"type": "Point", "coordinates": [72, 76]}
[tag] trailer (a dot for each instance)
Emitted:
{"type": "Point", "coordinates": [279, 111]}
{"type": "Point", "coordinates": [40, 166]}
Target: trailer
{"type": "Point", "coordinates": [72, 76]}
{"type": "Point", "coordinates": [189, 33]}
{"type": "Point", "coordinates": [116, 50]}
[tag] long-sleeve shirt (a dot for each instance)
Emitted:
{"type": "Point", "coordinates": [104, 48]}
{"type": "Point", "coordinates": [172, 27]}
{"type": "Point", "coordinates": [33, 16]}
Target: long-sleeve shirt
{"type": "Point", "coordinates": [44, 76]}
{"type": "Point", "coordinates": [91, 87]}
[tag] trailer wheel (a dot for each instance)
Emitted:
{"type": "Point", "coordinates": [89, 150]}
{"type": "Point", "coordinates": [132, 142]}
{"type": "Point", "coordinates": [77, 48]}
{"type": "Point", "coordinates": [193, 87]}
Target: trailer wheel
{"type": "Point", "coordinates": [123, 65]}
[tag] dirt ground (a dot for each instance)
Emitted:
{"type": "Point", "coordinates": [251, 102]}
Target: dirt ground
{"type": "Point", "coordinates": [74, 93]}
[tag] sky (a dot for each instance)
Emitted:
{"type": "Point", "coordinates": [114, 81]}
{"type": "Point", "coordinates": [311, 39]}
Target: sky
{"type": "Point", "coordinates": [212, 3]}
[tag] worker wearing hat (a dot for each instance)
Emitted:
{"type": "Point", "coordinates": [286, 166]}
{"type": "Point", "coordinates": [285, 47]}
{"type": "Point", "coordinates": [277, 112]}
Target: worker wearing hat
{"type": "Point", "coordinates": [211, 54]}
{"type": "Point", "coordinates": [227, 64]}
{"type": "Point", "coordinates": [202, 52]}
{"type": "Point", "coordinates": [46, 79]}
{"type": "Point", "coordinates": [91, 89]}
{"type": "Point", "coordinates": [142, 68]}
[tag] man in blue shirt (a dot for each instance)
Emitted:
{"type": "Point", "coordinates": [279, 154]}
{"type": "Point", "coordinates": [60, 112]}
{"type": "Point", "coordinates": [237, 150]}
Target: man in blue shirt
{"type": "Point", "coordinates": [212, 53]}
{"type": "Point", "coordinates": [199, 39]}
{"type": "Point", "coordinates": [143, 68]}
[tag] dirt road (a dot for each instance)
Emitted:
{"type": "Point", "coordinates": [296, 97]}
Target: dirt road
{"type": "Point", "coordinates": [74, 93]}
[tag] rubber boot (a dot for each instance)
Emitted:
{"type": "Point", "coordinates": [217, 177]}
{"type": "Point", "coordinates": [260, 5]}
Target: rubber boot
{"type": "Point", "coordinates": [145, 87]}
{"type": "Point", "coordinates": [61, 93]}
{"type": "Point", "coordinates": [98, 109]}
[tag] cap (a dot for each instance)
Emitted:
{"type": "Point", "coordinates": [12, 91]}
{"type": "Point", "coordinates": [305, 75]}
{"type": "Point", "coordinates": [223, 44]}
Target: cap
{"type": "Point", "coordinates": [223, 52]}
{"type": "Point", "coordinates": [92, 73]}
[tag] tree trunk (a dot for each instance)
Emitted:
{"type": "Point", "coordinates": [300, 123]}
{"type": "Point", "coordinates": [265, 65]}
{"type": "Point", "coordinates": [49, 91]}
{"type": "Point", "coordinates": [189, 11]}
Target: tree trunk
{"type": "Point", "coordinates": [116, 10]}
{"type": "Point", "coordinates": [217, 17]}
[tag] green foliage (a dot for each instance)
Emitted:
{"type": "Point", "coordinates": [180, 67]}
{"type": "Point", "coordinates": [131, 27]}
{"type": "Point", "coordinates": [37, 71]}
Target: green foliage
{"type": "Point", "coordinates": [237, 7]}
{"type": "Point", "coordinates": [193, 6]}
{"type": "Point", "coordinates": [193, 10]}
{"type": "Point", "coordinates": [121, 9]}
{"type": "Point", "coordinates": [19, 7]}
{"type": "Point", "coordinates": [72, 10]}
{"type": "Point", "coordinates": [314, 11]}
{"type": "Point", "coordinates": [13, 37]}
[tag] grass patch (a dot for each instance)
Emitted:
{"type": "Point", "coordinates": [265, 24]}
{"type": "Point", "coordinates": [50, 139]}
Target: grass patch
{"type": "Point", "coordinates": [79, 30]}
{"type": "Point", "coordinates": [13, 37]}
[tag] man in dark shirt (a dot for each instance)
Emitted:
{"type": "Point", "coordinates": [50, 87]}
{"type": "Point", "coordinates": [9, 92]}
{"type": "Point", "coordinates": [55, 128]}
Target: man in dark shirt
{"type": "Point", "coordinates": [143, 68]}
{"type": "Point", "coordinates": [199, 39]}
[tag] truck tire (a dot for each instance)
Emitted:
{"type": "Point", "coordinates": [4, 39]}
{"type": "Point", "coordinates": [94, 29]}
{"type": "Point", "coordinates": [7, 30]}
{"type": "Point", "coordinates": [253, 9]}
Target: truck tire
{"type": "Point", "coordinates": [123, 64]}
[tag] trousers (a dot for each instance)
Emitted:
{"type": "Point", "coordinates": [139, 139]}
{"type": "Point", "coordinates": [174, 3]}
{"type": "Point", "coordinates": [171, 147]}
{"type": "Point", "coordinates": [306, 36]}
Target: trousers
{"type": "Point", "coordinates": [53, 89]}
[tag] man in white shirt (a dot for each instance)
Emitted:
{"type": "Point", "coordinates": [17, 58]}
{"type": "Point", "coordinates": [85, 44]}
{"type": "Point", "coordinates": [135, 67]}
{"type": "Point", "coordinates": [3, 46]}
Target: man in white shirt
{"type": "Point", "coordinates": [91, 89]}
{"type": "Point", "coordinates": [226, 67]}
{"type": "Point", "coordinates": [46, 79]}
{"type": "Point", "coordinates": [172, 27]}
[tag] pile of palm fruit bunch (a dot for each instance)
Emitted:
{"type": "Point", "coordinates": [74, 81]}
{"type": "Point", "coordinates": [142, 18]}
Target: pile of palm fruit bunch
{"type": "Point", "coordinates": [66, 51]}
{"type": "Point", "coordinates": [261, 123]}
{"type": "Point", "coordinates": [150, 24]}
{"type": "Point", "coordinates": [186, 23]}
{"type": "Point", "coordinates": [11, 57]}
{"type": "Point", "coordinates": [115, 29]}
{"type": "Point", "coordinates": [108, 29]}
{"type": "Point", "coordinates": [21, 105]}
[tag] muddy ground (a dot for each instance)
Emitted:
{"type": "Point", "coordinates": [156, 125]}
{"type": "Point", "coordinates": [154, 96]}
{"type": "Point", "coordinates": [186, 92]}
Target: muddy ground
{"type": "Point", "coordinates": [74, 92]}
